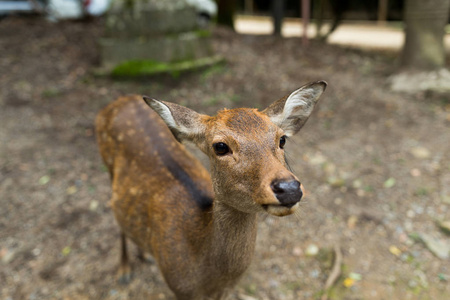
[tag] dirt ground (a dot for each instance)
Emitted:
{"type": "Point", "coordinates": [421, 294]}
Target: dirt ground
{"type": "Point", "coordinates": [376, 166]}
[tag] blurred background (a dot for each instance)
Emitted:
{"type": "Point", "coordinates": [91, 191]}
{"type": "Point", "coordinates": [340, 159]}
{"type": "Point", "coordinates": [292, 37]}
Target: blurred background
{"type": "Point", "coordinates": [374, 157]}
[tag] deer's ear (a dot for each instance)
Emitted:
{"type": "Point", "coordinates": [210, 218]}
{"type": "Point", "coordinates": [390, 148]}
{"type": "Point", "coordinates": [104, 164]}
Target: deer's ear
{"type": "Point", "coordinates": [291, 113]}
{"type": "Point", "coordinates": [184, 123]}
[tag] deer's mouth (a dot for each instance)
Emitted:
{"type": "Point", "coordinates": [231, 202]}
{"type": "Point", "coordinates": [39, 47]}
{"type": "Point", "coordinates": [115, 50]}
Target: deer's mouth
{"type": "Point", "coordinates": [280, 210]}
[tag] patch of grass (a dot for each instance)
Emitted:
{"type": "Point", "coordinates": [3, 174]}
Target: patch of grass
{"type": "Point", "coordinates": [137, 68]}
{"type": "Point", "coordinates": [235, 98]}
{"type": "Point", "coordinates": [422, 191]}
{"type": "Point", "coordinates": [51, 93]}
{"type": "Point", "coordinates": [202, 33]}
{"type": "Point", "coordinates": [222, 98]}
{"type": "Point", "coordinates": [251, 289]}
{"type": "Point", "coordinates": [369, 188]}
{"type": "Point", "coordinates": [376, 160]}
{"type": "Point", "coordinates": [134, 68]}
{"type": "Point", "coordinates": [212, 101]}
{"type": "Point", "coordinates": [212, 71]}
{"type": "Point", "coordinates": [292, 286]}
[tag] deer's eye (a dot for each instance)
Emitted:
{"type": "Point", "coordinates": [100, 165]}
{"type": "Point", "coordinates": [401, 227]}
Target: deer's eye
{"type": "Point", "coordinates": [282, 141]}
{"type": "Point", "coordinates": [221, 148]}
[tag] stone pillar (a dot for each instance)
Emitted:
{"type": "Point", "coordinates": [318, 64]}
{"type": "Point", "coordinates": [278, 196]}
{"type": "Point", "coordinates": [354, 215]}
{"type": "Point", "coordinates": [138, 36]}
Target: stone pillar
{"type": "Point", "coordinates": [153, 30]}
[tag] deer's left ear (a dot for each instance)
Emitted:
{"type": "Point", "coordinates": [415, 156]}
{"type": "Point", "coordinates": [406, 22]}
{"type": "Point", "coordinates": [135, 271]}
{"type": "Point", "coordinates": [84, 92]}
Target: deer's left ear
{"type": "Point", "coordinates": [291, 113]}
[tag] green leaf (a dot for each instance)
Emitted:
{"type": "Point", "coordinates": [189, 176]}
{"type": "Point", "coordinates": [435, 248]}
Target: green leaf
{"type": "Point", "coordinates": [389, 183]}
{"type": "Point", "coordinates": [44, 180]}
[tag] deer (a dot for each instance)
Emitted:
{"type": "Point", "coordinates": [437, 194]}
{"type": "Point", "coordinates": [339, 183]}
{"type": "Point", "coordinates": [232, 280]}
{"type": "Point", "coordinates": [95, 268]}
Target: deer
{"type": "Point", "coordinates": [200, 227]}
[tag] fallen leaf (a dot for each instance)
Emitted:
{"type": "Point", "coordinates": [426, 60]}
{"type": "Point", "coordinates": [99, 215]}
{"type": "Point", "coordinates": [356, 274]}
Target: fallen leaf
{"type": "Point", "coordinates": [394, 250]}
{"type": "Point", "coordinates": [351, 222]}
{"type": "Point", "coordinates": [355, 276]}
{"type": "Point", "coordinates": [71, 190]}
{"type": "Point", "coordinates": [443, 277]}
{"type": "Point", "coordinates": [348, 282]}
{"type": "Point", "coordinates": [44, 180]}
{"type": "Point", "coordinates": [66, 251]}
{"type": "Point", "coordinates": [389, 183]}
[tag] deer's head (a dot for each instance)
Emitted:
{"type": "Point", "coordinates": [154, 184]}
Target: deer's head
{"type": "Point", "coordinates": [246, 148]}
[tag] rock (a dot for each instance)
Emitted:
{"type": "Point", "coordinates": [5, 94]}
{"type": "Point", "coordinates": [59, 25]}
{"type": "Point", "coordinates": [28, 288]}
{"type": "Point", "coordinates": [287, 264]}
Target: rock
{"type": "Point", "coordinates": [297, 251]}
{"type": "Point", "coordinates": [316, 159]}
{"type": "Point", "coordinates": [150, 32]}
{"type": "Point", "coordinates": [438, 247]}
{"type": "Point", "coordinates": [422, 278]}
{"type": "Point", "coordinates": [357, 183]}
{"type": "Point", "coordinates": [445, 226]}
{"type": "Point", "coordinates": [413, 82]}
{"type": "Point", "coordinates": [336, 181]}
{"type": "Point", "coordinates": [446, 199]}
{"type": "Point", "coordinates": [245, 297]}
{"type": "Point", "coordinates": [312, 250]}
{"type": "Point", "coordinates": [420, 152]}
{"type": "Point", "coordinates": [93, 205]}
{"type": "Point", "coordinates": [338, 201]}
{"type": "Point", "coordinates": [415, 172]}
{"type": "Point", "coordinates": [7, 255]}
{"type": "Point", "coordinates": [314, 273]}
{"type": "Point", "coordinates": [410, 214]}
{"type": "Point", "coordinates": [329, 168]}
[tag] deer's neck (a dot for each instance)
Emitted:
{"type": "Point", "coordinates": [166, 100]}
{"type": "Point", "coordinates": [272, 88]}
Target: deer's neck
{"type": "Point", "coordinates": [233, 241]}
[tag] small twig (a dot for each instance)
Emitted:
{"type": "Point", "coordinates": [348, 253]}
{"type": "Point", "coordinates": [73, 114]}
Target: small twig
{"type": "Point", "coordinates": [335, 271]}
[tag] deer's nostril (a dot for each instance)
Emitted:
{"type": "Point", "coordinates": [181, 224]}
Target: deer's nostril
{"type": "Point", "coordinates": [288, 193]}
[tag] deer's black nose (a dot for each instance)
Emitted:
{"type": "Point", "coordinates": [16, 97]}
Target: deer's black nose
{"type": "Point", "coordinates": [288, 193]}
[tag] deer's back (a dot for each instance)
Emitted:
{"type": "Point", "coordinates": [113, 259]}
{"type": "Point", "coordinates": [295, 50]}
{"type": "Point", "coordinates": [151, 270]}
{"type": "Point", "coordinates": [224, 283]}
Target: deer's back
{"type": "Point", "coordinates": [161, 193]}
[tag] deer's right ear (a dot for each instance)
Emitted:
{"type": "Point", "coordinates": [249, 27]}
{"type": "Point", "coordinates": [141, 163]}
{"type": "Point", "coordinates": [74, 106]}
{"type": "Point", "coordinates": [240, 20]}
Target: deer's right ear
{"type": "Point", "coordinates": [184, 123]}
{"type": "Point", "coordinates": [291, 113]}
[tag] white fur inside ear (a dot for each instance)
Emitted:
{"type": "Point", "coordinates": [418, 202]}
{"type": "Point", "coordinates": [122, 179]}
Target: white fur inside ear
{"type": "Point", "coordinates": [298, 107]}
{"type": "Point", "coordinates": [295, 105]}
{"type": "Point", "coordinates": [164, 112]}
{"type": "Point", "coordinates": [297, 102]}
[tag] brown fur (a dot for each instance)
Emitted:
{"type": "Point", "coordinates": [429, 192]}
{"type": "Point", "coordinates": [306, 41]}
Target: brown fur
{"type": "Point", "coordinates": [201, 231]}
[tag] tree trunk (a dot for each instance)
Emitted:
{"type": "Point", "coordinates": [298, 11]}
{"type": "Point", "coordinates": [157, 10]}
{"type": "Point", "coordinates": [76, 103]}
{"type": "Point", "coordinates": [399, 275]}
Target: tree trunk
{"type": "Point", "coordinates": [225, 14]}
{"type": "Point", "coordinates": [424, 34]}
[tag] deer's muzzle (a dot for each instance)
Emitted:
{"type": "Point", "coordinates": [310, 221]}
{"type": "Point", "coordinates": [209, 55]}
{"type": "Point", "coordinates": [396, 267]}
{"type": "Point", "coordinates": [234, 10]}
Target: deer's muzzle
{"type": "Point", "coordinates": [288, 192]}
